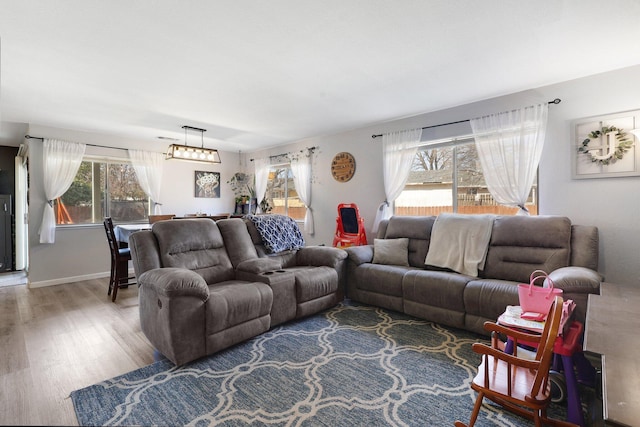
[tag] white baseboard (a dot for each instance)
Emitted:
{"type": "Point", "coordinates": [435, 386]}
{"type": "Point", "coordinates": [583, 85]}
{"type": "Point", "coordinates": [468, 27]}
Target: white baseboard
{"type": "Point", "coordinates": [53, 282]}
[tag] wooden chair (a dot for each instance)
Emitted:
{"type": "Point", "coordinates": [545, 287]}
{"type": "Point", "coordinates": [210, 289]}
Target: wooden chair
{"type": "Point", "coordinates": [120, 258]}
{"type": "Point", "coordinates": [520, 385]}
{"type": "Point", "coordinates": [350, 229]}
{"type": "Point", "coordinates": [156, 218]}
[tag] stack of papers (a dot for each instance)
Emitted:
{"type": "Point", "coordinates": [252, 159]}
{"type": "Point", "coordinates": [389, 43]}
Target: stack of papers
{"type": "Point", "coordinates": [512, 318]}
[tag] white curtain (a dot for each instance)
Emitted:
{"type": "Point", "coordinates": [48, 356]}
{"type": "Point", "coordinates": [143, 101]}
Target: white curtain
{"type": "Point", "coordinates": [148, 166]}
{"type": "Point", "coordinates": [262, 179]}
{"type": "Point", "coordinates": [301, 169]}
{"type": "Point", "coordinates": [398, 151]}
{"type": "Point", "coordinates": [61, 161]}
{"type": "Point", "coordinates": [509, 147]}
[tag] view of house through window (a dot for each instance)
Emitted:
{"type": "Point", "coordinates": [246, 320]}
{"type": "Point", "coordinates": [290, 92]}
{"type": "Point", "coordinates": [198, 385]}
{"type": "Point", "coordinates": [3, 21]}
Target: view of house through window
{"type": "Point", "coordinates": [282, 195]}
{"type": "Point", "coordinates": [103, 188]}
{"type": "Point", "coordinates": [448, 178]}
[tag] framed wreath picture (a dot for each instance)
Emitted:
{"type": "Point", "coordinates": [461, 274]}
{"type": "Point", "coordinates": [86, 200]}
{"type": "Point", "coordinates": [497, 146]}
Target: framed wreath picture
{"type": "Point", "coordinates": [207, 184]}
{"type": "Point", "coordinates": [605, 147]}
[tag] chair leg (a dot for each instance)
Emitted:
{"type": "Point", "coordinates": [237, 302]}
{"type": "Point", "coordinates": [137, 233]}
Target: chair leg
{"type": "Point", "coordinates": [476, 409]}
{"type": "Point", "coordinates": [115, 292]}
{"type": "Point", "coordinates": [536, 419]}
{"type": "Point", "coordinates": [112, 277]}
{"type": "Point", "coordinates": [121, 271]}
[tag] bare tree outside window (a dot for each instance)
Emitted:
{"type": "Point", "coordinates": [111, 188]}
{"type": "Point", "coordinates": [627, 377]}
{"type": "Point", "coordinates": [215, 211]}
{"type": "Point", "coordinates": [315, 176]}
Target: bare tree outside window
{"type": "Point", "coordinates": [449, 179]}
{"type": "Point", "coordinates": [92, 196]}
{"type": "Point", "coordinates": [282, 195]}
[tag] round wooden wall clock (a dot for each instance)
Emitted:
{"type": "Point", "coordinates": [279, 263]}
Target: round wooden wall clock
{"type": "Point", "coordinates": [343, 166]}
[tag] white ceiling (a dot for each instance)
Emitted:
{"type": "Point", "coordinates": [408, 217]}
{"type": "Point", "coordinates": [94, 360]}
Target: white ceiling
{"type": "Point", "coordinates": [258, 73]}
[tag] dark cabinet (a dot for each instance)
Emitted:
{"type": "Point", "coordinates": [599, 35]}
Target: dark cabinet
{"type": "Point", "coordinates": [6, 239]}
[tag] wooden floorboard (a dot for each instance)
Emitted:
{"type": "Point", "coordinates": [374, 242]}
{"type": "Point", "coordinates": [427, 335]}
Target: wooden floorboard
{"type": "Point", "coordinates": [57, 339]}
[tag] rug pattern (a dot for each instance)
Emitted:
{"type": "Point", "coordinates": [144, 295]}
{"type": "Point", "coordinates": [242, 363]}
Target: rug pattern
{"type": "Point", "coordinates": [350, 366]}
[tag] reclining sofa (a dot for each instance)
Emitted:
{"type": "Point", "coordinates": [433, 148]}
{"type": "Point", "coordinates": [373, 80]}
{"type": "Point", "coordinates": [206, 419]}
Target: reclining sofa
{"type": "Point", "coordinates": [399, 278]}
{"type": "Point", "coordinates": [205, 285]}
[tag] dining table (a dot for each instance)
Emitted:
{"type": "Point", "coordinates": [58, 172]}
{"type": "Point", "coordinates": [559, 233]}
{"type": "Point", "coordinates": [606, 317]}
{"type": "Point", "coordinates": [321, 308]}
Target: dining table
{"type": "Point", "coordinates": [123, 231]}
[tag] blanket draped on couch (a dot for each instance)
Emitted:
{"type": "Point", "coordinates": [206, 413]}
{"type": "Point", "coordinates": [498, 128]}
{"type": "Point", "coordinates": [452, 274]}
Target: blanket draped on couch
{"type": "Point", "coordinates": [279, 232]}
{"type": "Point", "coordinates": [460, 242]}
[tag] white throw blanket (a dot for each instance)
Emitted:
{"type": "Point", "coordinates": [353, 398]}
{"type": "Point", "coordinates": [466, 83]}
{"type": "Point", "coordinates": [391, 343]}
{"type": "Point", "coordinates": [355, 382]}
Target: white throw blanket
{"type": "Point", "coordinates": [460, 242]}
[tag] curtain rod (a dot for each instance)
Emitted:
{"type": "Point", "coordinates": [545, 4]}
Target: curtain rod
{"type": "Point", "coordinates": [555, 101]}
{"type": "Point", "coordinates": [92, 145]}
{"type": "Point", "coordinates": [284, 154]}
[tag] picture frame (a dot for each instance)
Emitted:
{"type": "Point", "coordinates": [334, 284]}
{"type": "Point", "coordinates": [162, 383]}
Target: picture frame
{"type": "Point", "coordinates": [207, 184]}
{"type": "Point", "coordinates": [604, 147]}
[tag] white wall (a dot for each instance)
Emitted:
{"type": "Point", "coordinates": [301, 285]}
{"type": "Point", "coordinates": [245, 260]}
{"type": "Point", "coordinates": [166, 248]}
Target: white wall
{"type": "Point", "coordinates": [82, 252]}
{"type": "Point", "coordinates": [612, 204]}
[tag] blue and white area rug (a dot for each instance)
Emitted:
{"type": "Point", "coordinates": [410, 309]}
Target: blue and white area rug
{"type": "Point", "coordinates": [350, 366]}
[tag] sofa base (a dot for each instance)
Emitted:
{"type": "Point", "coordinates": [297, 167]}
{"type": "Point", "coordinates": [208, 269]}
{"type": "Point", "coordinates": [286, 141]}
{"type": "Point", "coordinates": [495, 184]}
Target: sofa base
{"type": "Point", "coordinates": [317, 305]}
{"type": "Point", "coordinates": [237, 334]}
{"type": "Point", "coordinates": [379, 300]}
{"type": "Point", "coordinates": [435, 314]}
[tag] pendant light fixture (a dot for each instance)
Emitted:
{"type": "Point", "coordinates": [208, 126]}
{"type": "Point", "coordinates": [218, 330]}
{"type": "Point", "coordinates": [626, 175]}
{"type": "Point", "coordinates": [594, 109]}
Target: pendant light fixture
{"type": "Point", "coordinates": [184, 152]}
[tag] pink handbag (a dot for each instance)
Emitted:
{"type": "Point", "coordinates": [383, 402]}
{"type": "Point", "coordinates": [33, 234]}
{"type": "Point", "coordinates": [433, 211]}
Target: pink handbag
{"type": "Point", "coordinates": [537, 299]}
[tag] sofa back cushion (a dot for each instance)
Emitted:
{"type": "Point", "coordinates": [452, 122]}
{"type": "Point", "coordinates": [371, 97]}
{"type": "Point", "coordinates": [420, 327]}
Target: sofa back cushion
{"type": "Point", "coordinates": [585, 246]}
{"type": "Point", "coordinates": [195, 244]}
{"type": "Point", "coordinates": [237, 240]}
{"type": "Point", "coordinates": [417, 229]}
{"type": "Point", "coordinates": [521, 244]}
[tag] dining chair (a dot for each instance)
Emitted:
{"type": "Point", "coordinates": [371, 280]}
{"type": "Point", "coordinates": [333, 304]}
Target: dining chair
{"type": "Point", "coordinates": [120, 258]}
{"type": "Point", "coordinates": [521, 385]}
{"type": "Point", "coordinates": [156, 218]}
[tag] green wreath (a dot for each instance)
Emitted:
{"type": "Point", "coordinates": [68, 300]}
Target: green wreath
{"type": "Point", "coordinates": [622, 147]}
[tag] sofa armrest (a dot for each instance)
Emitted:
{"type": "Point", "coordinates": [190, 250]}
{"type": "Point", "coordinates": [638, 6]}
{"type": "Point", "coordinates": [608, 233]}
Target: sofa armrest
{"type": "Point", "coordinates": [259, 265]}
{"type": "Point", "coordinates": [577, 279]}
{"type": "Point", "coordinates": [318, 256]}
{"type": "Point", "coordinates": [175, 282]}
{"type": "Point", "coordinates": [360, 254]}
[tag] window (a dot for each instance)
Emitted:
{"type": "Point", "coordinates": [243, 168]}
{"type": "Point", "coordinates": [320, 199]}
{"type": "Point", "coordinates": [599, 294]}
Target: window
{"type": "Point", "coordinates": [103, 188]}
{"type": "Point", "coordinates": [447, 177]}
{"type": "Point", "coordinates": [281, 193]}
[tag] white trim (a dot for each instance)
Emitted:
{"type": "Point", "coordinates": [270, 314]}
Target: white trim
{"type": "Point", "coordinates": [73, 279]}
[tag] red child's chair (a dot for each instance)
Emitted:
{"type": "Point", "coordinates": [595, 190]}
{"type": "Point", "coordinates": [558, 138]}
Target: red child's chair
{"type": "Point", "coordinates": [349, 227]}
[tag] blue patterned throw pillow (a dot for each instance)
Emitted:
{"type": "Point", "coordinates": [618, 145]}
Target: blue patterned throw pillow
{"type": "Point", "coordinates": [279, 232]}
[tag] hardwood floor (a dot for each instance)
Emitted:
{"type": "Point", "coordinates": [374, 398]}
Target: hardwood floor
{"type": "Point", "coordinates": [57, 339]}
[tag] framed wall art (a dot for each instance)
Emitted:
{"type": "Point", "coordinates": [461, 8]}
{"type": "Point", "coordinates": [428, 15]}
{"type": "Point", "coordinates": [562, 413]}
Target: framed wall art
{"type": "Point", "coordinates": [207, 184]}
{"type": "Point", "coordinates": [605, 147]}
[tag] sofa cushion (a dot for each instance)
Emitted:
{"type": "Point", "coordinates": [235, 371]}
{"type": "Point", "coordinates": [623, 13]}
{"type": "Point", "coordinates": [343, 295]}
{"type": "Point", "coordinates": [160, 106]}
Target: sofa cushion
{"type": "Point", "coordinates": [314, 282]}
{"type": "Point", "coordinates": [585, 246]}
{"type": "Point", "coordinates": [417, 229]}
{"type": "Point", "coordinates": [194, 244]}
{"type": "Point", "coordinates": [488, 298]}
{"type": "Point", "coordinates": [391, 251]}
{"type": "Point", "coordinates": [237, 240]}
{"type": "Point", "coordinates": [521, 244]}
{"type": "Point", "coordinates": [435, 288]}
{"type": "Point", "coordinates": [234, 302]}
{"type": "Point", "coordinates": [380, 278]}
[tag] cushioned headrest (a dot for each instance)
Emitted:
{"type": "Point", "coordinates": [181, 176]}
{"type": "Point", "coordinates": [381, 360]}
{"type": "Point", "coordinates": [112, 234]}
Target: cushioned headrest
{"type": "Point", "coordinates": [195, 244]}
{"type": "Point", "coordinates": [521, 244]}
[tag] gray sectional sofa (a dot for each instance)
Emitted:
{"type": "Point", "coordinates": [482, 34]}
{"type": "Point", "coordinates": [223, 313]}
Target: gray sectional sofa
{"type": "Point", "coordinates": [205, 285]}
{"type": "Point", "coordinates": [518, 245]}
